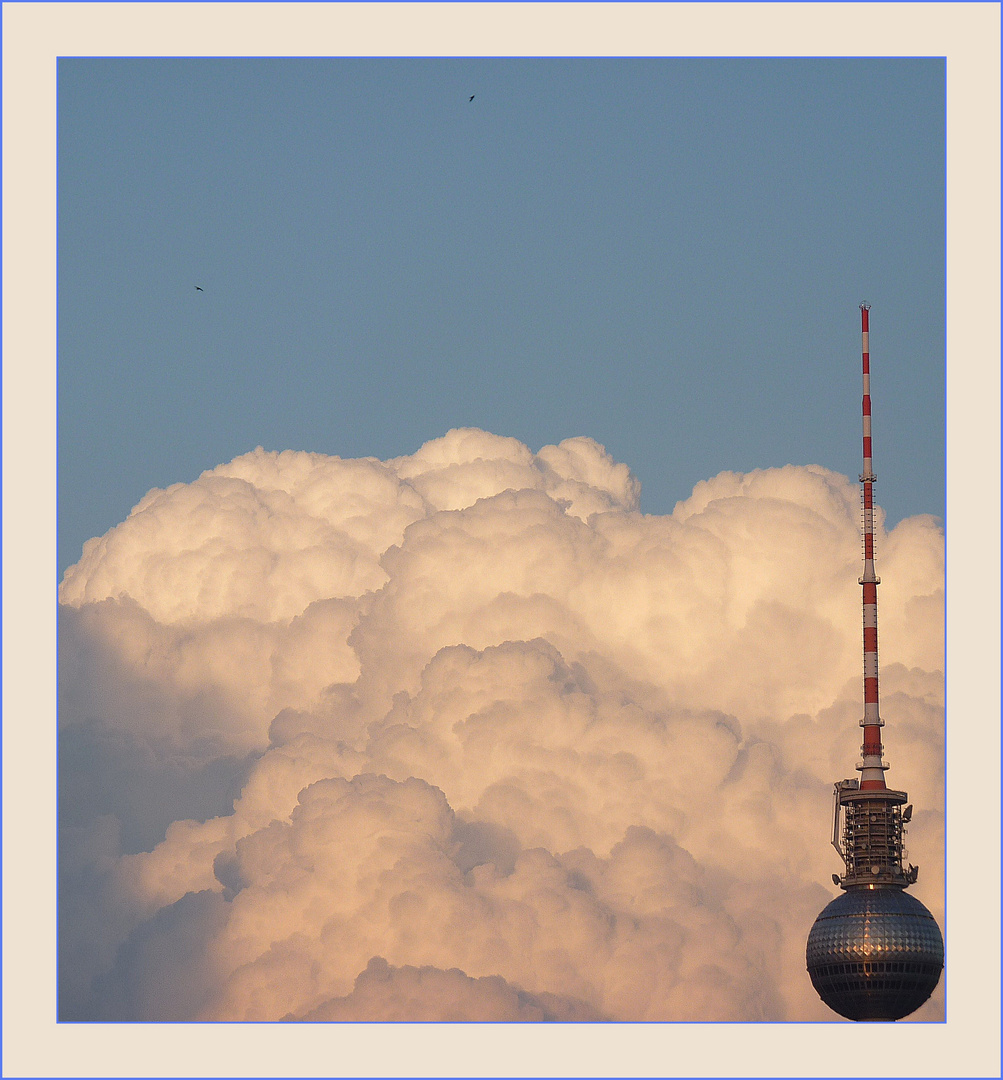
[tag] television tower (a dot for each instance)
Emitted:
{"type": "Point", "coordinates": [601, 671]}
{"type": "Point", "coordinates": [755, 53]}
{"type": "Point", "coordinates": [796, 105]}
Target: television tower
{"type": "Point", "coordinates": [875, 952]}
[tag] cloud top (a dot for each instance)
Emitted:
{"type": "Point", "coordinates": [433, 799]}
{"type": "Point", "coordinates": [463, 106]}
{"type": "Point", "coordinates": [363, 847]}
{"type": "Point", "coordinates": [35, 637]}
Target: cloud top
{"type": "Point", "coordinates": [268, 533]}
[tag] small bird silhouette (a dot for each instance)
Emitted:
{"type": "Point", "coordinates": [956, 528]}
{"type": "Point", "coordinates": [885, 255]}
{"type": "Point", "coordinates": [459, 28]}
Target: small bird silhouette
{"type": "Point", "coordinates": [198, 288]}
{"type": "Point", "coordinates": [472, 96]}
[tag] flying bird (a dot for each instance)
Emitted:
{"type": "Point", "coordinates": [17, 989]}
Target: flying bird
{"type": "Point", "coordinates": [472, 96]}
{"type": "Point", "coordinates": [198, 288]}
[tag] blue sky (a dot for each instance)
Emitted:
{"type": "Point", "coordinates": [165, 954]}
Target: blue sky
{"type": "Point", "coordinates": [664, 254]}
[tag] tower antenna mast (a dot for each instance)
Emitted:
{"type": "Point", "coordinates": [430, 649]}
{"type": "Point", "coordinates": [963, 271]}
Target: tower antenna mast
{"type": "Point", "coordinates": [872, 767]}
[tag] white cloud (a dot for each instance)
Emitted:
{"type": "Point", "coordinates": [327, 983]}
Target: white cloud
{"type": "Point", "coordinates": [411, 993]}
{"type": "Point", "coordinates": [466, 730]}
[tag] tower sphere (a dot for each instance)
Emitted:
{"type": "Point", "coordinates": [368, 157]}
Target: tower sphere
{"type": "Point", "coordinates": [875, 954]}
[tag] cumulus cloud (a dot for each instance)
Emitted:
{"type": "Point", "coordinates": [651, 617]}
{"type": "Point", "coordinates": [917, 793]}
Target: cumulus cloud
{"type": "Point", "coordinates": [465, 735]}
{"type": "Point", "coordinates": [428, 993]}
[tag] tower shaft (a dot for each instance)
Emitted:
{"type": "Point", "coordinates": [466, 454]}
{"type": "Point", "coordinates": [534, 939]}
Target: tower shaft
{"type": "Point", "coordinates": [875, 952]}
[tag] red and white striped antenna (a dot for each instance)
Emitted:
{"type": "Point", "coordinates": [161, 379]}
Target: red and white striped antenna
{"type": "Point", "coordinates": [872, 767]}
